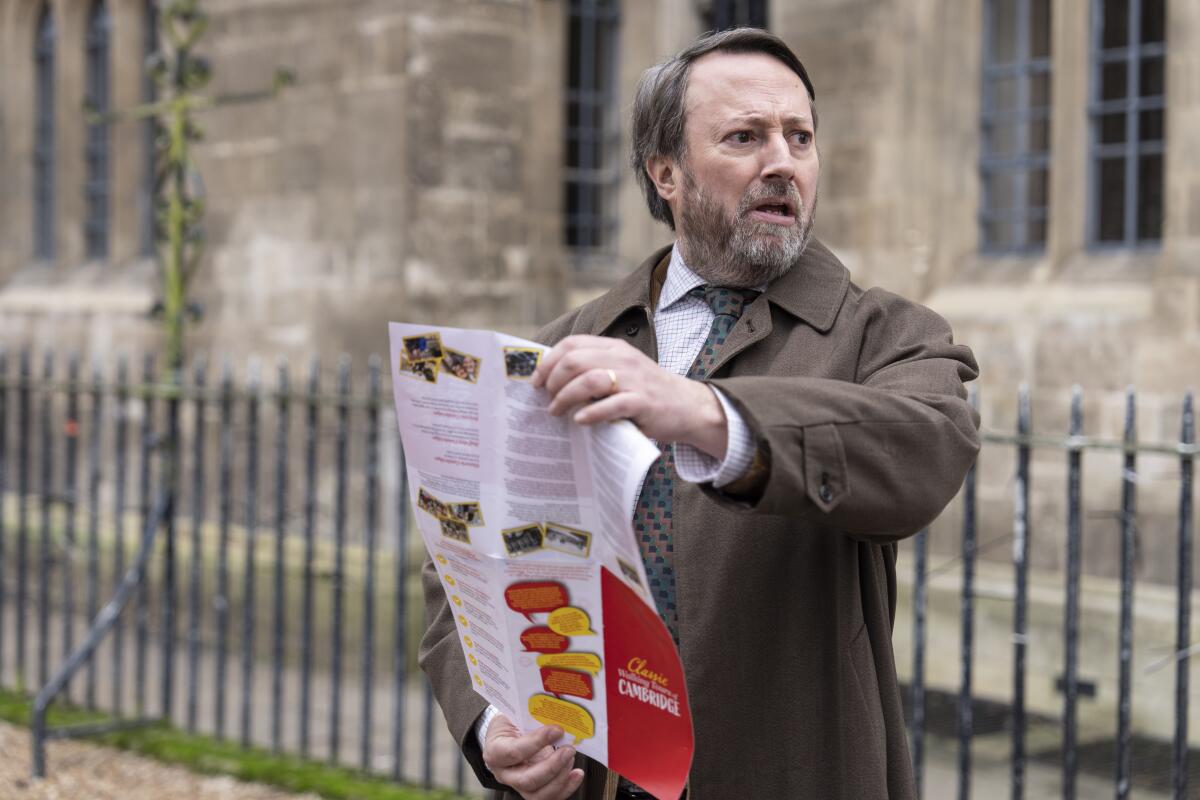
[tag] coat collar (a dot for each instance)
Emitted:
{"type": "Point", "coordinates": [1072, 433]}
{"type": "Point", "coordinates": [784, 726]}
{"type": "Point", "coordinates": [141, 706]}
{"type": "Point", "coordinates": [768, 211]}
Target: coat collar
{"type": "Point", "coordinates": [812, 290]}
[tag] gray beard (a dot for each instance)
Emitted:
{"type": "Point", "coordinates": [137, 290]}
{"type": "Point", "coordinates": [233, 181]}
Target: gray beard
{"type": "Point", "coordinates": [738, 251]}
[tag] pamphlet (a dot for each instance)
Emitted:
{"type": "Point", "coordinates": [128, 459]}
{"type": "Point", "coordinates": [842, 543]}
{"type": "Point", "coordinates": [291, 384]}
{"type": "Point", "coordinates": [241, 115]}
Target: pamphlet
{"type": "Point", "coordinates": [528, 520]}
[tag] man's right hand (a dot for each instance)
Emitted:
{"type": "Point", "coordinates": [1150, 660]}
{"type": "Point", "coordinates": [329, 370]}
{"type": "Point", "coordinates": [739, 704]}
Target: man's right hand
{"type": "Point", "coordinates": [529, 762]}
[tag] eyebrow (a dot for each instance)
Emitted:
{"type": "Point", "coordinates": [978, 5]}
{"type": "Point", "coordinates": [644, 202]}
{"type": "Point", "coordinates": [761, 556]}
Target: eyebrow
{"type": "Point", "coordinates": [755, 118]}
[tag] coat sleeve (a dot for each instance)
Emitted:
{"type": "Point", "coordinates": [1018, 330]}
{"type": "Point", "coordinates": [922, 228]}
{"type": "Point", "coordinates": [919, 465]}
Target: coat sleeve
{"type": "Point", "coordinates": [879, 457]}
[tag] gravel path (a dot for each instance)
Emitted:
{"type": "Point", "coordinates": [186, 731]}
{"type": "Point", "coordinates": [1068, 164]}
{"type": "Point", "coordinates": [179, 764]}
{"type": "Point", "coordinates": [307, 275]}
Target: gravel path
{"type": "Point", "coordinates": [84, 771]}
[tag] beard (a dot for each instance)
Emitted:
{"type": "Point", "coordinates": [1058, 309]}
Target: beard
{"type": "Point", "coordinates": [738, 251]}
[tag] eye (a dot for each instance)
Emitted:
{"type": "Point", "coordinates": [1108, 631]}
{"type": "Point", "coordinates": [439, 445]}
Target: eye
{"type": "Point", "coordinates": [740, 137]}
{"type": "Point", "coordinates": [802, 138]}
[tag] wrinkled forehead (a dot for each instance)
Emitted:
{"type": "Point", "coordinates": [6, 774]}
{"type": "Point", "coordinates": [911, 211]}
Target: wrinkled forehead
{"type": "Point", "coordinates": [722, 85]}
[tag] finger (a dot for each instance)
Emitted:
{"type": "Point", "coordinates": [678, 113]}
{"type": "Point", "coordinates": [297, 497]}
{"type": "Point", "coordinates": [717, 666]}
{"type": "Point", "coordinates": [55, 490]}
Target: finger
{"type": "Point", "coordinates": [506, 750]}
{"type": "Point", "coordinates": [531, 779]}
{"type": "Point", "coordinates": [568, 345]}
{"type": "Point", "coordinates": [575, 363]}
{"type": "Point", "coordinates": [562, 786]}
{"type": "Point", "coordinates": [595, 384]}
{"type": "Point", "coordinates": [623, 405]}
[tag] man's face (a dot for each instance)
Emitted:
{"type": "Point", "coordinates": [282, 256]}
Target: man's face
{"type": "Point", "coordinates": [747, 186]}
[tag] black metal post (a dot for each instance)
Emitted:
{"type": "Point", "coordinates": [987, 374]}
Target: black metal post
{"type": "Point", "coordinates": [1183, 618]}
{"type": "Point", "coordinates": [1125, 634]}
{"type": "Point", "coordinates": [95, 429]}
{"type": "Point", "coordinates": [47, 491]}
{"type": "Point", "coordinates": [339, 570]}
{"type": "Point", "coordinates": [70, 506]}
{"type": "Point", "coordinates": [169, 465]}
{"type": "Point", "coordinates": [281, 480]}
{"type": "Point", "coordinates": [920, 603]}
{"type": "Point", "coordinates": [965, 721]}
{"type": "Point", "coordinates": [3, 494]}
{"type": "Point", "coordinates": [312, 424]}
{"type": "Point", "coordinates": [253, 388]}
{"type": "Point", "coordinates": [195, 610]}
{"type": "Point", "coordinates": [399, 642]}
{"type": "Point", "coordinates": [120, 448]}
{"type": "Point", "coordinates": [1021, 600]}
{"type": "Point", "coordinates": [369, 523]}
{"type": "Point", "coordinates": [141, 605]}
{"type": "Point", "coordinates": [225, 510]}
{"type": "Point", "coordinates": [1071, 644]}
{"type": "Point", "coordinates": [23, 469]}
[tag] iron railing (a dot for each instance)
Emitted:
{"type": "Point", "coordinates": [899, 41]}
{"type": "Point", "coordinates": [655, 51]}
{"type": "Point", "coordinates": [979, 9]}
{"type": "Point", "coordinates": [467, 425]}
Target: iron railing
{"type": "Point", "coordinates": [283, 632]}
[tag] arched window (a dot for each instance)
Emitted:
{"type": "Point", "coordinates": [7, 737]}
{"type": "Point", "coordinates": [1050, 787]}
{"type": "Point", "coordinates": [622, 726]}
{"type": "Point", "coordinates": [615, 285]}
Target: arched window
{"type": "Point", "coordinates": [147, 192]}
{"type": "Point", "coordinates": [96, 191]}
{"type": "Point", "coordinates": [43, 140]}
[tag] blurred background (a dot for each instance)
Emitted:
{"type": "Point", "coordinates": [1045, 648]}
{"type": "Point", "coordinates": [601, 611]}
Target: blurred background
{"type": "Point", "coordinates": [1027, 168]}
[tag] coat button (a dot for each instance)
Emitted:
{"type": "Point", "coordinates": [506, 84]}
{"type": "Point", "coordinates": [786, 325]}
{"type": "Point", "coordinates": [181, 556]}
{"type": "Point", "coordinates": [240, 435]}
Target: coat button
{"type": "Point", "coordinates": [825, 492]}
{"type": "Point", "coordinates": [632, 329]}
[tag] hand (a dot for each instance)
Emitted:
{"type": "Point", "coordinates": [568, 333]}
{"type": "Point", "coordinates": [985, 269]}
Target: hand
{"type": "Point", "coordinates": [578, 373]}
{"type": "Point", "coordinates": [529, 762]}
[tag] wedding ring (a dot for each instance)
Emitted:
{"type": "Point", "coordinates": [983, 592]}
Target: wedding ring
{"type": "Point", "coordinates": [612, 376]}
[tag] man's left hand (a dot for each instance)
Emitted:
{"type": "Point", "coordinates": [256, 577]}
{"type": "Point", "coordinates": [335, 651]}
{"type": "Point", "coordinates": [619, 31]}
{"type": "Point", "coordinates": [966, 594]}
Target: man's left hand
{"type": "Point", "coordinates": [599, 379]}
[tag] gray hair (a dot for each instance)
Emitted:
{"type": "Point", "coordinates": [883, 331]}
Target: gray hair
{"type": "Point", "coordinates": [659, 115]}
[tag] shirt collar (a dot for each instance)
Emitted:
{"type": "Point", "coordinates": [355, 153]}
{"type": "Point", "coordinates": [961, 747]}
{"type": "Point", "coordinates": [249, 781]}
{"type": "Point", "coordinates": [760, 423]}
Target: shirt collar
{"type": "Point", "coordinates": [680, 280]}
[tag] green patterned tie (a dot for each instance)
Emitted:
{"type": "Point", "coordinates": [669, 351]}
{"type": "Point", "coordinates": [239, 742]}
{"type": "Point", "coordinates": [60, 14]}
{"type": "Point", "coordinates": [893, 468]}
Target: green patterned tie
{"type": "Point", "coordinates": [652, 517]}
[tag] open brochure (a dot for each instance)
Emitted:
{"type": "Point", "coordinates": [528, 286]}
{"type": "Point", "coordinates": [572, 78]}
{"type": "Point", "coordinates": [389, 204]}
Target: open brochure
{"type": "Point", "coordinates": [527, 518]}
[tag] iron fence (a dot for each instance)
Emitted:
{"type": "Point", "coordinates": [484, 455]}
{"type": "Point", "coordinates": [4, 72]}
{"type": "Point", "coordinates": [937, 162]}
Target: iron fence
{"type": "Point", "coordinates": [274, 557]}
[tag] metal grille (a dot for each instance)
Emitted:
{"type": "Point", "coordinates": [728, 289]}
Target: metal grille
{"type": "Point", "coordinates": [43, 140]}
{"type": "Point", "coordinates": [1015, 126]}
{"type": "Point", "coordinates": [96, 152]}
{"type": "Point", "coordinates": [723, 14]}
{"type": "Point", "coordinates": [148, 191]}
{"type": "Point", "coordinates": [593, 126]}
{"type": "Point", "coordinates": [1128, 102]}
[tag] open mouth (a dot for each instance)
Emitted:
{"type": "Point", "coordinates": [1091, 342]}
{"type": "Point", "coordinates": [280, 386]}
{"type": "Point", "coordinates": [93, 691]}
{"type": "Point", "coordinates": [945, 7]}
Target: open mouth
{"type": "Point", "coordinates": [778, 212]}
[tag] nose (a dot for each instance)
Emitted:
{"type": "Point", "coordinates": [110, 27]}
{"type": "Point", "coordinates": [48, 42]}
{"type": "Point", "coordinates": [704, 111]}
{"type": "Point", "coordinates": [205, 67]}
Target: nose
{"type": "Point", "coordinates": [777, 158]}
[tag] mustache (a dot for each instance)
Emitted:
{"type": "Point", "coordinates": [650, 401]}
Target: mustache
{"type": "Point", "coordinates": [771, 190]}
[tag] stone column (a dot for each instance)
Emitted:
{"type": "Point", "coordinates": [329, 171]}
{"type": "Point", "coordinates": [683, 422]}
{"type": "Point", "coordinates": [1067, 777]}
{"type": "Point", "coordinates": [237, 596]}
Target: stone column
{"type": "Point", "coordinates": [127, 138]}
{"type": "Point", "coordinates": [70, 166]}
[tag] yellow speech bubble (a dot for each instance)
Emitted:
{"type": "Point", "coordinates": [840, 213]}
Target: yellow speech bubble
{"type": "Point", "coordinates": [441, 559]}
{"type": "Point", "coordinates": [585, 661]}
{"type": "Point", "coordinates": [463, 621]}
{"type": "Point", "coordinates": [467, 641]}
{"type": "Point", "coordinates": [479, 680]}
{"type": "Point", "coordinates": [570, 621]}
{"type": "Point", "coordinates": [572, 718]}
{"type": "Point", "coordinates": [450, 580]}
{"type": "Point", "coordinates": [474, 661]}
{"type": "Point", "coordinates": [457, 600]}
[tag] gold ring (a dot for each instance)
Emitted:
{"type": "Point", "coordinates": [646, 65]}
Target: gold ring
{"type": "Point", "coordinates": [612, 376]}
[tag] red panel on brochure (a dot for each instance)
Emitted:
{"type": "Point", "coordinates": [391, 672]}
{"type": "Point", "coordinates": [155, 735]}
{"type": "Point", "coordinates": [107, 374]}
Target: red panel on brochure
{"type": "Point", "coordinates": [649, 722]}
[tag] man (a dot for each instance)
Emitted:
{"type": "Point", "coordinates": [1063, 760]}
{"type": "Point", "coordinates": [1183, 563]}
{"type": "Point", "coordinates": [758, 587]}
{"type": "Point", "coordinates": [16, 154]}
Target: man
{"type": "Point", "coordinates": [807, 425]}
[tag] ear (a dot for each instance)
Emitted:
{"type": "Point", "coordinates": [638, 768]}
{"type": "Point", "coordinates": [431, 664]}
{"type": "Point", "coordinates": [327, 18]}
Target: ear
{"type": "Point", "coordinates": [665, 175]}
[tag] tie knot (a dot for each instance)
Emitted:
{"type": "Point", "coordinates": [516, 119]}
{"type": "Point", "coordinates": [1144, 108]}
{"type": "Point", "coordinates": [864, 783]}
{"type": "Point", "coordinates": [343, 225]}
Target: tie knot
{"type": "Point", "coordinates": [725, 301]}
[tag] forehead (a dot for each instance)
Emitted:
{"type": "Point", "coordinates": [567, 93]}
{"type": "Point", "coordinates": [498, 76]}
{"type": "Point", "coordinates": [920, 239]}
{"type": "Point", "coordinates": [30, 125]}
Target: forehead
{"type": "Point", "coordinates": [731, 84]}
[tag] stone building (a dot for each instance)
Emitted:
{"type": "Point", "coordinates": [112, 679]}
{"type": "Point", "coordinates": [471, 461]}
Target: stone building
{"type": "Point", "coordinates": [1028, 168]}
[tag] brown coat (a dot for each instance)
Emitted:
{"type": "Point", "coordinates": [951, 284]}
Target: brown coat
{"type": "Point", "coordinates": [786, 603]}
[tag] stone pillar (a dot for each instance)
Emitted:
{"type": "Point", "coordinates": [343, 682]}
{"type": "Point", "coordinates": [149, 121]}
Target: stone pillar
{"type": "Point", "coordinates": [127, 141]}
{"type": "Point", "coordinates": [70, 166]}
{"type": "Point", "coordinates": [1070, 185]}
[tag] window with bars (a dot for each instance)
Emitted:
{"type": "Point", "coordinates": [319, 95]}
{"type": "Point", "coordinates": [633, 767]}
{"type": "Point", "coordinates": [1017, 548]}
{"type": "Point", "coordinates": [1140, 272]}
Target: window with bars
{"type": "Point", "coordinates": [43, 140]}
{"type": "Point", "coordinates": [1015, 126]}
{"type": "Point", "coordinates": [1128, 101]}
{"type": "Point", "coordinates": [723, 14]}
{"type": "Point", "coordinates": [96, 148]}
{"type": "Point", "coordinates": [148, 190]}
{"type": "Point", "coordinates": [593, 127]}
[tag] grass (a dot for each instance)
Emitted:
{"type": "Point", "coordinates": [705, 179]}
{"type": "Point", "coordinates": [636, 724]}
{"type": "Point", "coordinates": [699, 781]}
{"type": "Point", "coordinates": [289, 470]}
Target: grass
{"type": "Point", "coordinates": [206, 755]}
